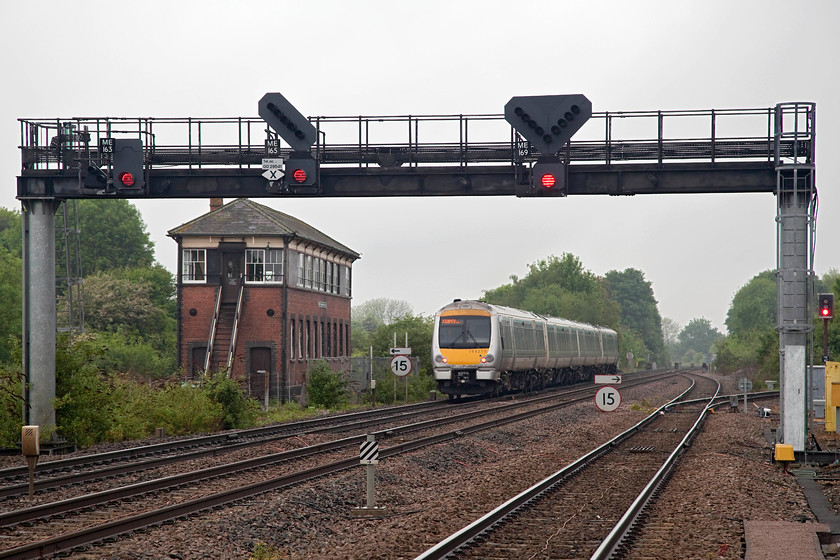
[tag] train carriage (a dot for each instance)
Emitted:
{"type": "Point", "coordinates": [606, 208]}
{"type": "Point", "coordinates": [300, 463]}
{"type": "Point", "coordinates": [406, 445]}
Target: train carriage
{"type": "Point", "coordinates": [480, 348]}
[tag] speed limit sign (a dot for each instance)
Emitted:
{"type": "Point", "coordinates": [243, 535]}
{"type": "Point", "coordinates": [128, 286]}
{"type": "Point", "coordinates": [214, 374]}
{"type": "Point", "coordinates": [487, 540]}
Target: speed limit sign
{"type": "Point", "coordinates": [401, 365]}
{"type": "Point", "coordinates": [607, 399]}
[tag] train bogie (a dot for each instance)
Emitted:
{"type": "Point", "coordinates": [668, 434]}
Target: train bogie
{"type": "Point", "coordinates": [479, 348]}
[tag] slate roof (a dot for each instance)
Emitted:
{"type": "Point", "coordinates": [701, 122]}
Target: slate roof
{"type": "Point", "coordinates": [244, 217]}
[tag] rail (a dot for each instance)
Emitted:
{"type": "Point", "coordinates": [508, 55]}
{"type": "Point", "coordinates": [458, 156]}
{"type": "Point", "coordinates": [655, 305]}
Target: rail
{"type": "Point", "coordinates": [616, 536]}
{"type": "Point", "coordinates": [449, 545]}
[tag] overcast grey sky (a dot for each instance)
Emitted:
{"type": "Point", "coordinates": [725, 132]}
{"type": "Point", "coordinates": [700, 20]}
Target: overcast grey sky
{"type": "Point", "coordinates": [209, 58]}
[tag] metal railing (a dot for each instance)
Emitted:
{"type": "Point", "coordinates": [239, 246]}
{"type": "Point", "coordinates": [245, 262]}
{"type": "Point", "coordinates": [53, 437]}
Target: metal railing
{"type": "Point", "coordinates": [411, 140]}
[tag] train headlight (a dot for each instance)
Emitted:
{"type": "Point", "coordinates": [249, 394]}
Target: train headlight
{"type": "Point", "coordinates": [440, 359]}
{"type": "Point", "coordinates": [488, 359]}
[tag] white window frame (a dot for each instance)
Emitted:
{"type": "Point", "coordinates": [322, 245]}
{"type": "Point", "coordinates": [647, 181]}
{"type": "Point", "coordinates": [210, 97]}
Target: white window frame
{"type": "Point", "coordinates": [191, 258]}
{"type": "Point", "coordinates": [271, 262]}
{"type": "Point", "coordinates": [308, 271]}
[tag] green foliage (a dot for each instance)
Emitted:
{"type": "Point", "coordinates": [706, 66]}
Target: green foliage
{"type": "Point", "coordinates": [139, 409]}
{"type": "Point", "coordinates": [419, 329]}
{"type": "Point", "coordinates": [264, 551]}
{"type": "Point", "coordinates": [11, 401]}
{"type": "Point", "coordinates": [559, 287]}
{"type": "Point", "coordinates": [388, 392]}
{"type": "Point", "coordinates": [238, 411]}
{"type": "Point", "coordinates": [92, 406]}
{"type": "Point", "coordinates": [753, 307]}
{"type": "Point", "coordinates": [128, 353]}
{"type": "Point", "coordinates": [755, 353]}
{"type": "Point", "coordinates": [698, 335]}
{"type": "Point", "coordinates": [11, 296]}
{"type": "Point", "coordinates": [639, 312]}
{"type": "Point", "coordinates": [631, 341]}
{"type": "Point", "coordinates": [326, 388]}
{"type": "Point", "coordinates": [11, 226]}
{"type": "Point", "coordinates": [159, 281]}
{"type": "Point", "coordinates": [371, 315]}
{"type": "Point", "coordinates": [134, 310]}
{"type": "Point", "coordinates": [113, 303]}
{"type": "Point", "coordinates": [113, 235]}
{"type": "Point", "coordinates": [83, 400]}
{"type": "Point", "coordinates": [287, 412]}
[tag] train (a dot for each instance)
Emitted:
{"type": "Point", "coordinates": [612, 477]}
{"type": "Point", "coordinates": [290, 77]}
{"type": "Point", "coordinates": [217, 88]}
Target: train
{"type": "Point", "coordinates": [484, 349]}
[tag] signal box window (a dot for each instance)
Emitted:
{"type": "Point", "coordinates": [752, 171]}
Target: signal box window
{"type": "Point", "coordinates": [193, 268]}
{"type": "Point", "coordinates": [468, 331]}
{"type": "Point", "coordinates": [263, 265]}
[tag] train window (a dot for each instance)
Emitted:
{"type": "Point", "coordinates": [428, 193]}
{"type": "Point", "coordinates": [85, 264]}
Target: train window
{"type": "Point", "coordinates": [467, 331]}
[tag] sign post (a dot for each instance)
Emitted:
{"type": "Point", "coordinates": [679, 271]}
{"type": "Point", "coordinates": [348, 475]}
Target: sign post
{"type": "Point", "coordinates": [745, 385]}
{"type": "Point", "coordinates": [369, 456]}
{"type": "Point", "coordinates": [31, 449]}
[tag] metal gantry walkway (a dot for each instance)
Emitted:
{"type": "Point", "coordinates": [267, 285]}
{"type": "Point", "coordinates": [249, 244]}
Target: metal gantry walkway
{"type": "Point", "coordinates": [618, 153]}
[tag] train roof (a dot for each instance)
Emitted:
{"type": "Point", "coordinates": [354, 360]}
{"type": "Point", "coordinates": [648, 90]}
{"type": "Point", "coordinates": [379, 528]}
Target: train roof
{"type": "Point", "coordinates": [517, 313]}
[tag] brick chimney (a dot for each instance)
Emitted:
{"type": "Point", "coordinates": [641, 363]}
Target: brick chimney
{"type": "Point", "coordinates": [216, 203]}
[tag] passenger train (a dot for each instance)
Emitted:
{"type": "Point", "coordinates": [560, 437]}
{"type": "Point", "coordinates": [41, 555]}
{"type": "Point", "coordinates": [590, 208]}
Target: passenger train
{"type": "Point", "coordinates": [480, 349]}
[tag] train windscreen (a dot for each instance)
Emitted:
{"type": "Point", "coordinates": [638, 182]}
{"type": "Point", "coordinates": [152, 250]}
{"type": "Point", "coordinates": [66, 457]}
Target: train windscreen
{"type": "Point", "coordinates": [467, 331]}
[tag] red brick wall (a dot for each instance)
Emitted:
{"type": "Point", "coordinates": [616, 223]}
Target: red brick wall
{"type": "Point", "coordinates": [258, 326]}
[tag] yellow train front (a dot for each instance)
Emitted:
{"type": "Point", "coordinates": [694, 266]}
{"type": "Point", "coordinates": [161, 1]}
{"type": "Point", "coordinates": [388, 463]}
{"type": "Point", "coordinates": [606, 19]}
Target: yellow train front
{"type": "Point", "coordinates": [479, 348]}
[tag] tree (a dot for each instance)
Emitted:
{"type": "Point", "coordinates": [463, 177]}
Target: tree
{"type": "Point", "coordinates": [670, 331]}
{"type": "Point", "coordinates": [753, 307]}
{"type": "Point", "coordinates": [134, 311]}
{"type": "Point", "coordinates": [11, 294]}
{"type": "Point", "coordinates": [419, 329]}
{"type": "Point", "coordinates": [638, 307]}
{"type": "Point", "coordinates": [698, 335]}
{"type": "Point", "coordinates": [370, 315]}
{"type": "Point", "coordinates": [113, 235]}
{"type": "Point", "coordinates": [10, 231]}
{"type": "Point", "coordinates": [559, 287]}
{"type": "Point", "coordinates": [380, 311]}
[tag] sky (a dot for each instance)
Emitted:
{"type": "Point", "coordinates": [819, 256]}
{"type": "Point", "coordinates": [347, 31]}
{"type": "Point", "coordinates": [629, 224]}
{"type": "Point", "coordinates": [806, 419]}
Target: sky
{"type": "Point", "coordinates": [187, 58]}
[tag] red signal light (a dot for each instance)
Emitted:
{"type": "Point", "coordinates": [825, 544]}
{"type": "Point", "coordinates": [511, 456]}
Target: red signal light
{"type": "Point", "coordinates": [548, 180]}
{"type": "Point", "coordinates": [299, 175]}
{"type": "Point", "coordinates": [126, 179]}
{"type": "Point", "coordinates": [824, 311]}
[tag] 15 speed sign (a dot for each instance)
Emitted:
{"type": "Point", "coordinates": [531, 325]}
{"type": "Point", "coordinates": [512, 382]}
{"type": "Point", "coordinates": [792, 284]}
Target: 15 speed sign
{"type": "Point", "coordinates": [401, 365]}
{"type": "Point", "coordinates": [607, 399]}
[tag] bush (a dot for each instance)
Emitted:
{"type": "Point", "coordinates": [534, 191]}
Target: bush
{"type": "Point", "coordinates": [418, 387]}
{"type": "Point", "coordinates": [11, 401]}
{"type": "Point", "coordinates": [181, 410]}
{"type": "Point", "coordinates": [326, 388]}
{"type": "Point", "coordinates": [238, 411]}
{"type": "Point", "coordinates": [84, 402]}
{"type": "Point", "coordinates": [264, 551]}
{"type": "Point", "coordinates": [131, 354]}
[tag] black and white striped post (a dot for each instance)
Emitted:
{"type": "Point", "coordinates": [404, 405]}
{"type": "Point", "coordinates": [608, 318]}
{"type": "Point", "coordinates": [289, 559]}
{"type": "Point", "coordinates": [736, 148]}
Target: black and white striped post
{"type": "Point", "coordinates": [369, 456]}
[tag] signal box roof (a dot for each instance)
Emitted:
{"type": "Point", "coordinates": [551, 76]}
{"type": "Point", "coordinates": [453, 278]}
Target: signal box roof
{"type": "Point", "coordinates": [244, 217]}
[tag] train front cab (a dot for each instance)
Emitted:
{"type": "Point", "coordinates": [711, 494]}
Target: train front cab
{"type": "Point", "coordinates": [464, 363]}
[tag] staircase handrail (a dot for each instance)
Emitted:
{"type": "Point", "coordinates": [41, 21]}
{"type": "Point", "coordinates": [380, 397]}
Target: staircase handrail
{"type": "Point", "coordinates": [235, 329]}
{"type": "Point", "coordinates": [212, 339]}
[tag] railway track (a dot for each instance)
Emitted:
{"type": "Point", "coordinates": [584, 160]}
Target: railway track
{"type": "Point", "coordinates": [588, 508]}
{"type": "Point", "coordinates": [31, 532]}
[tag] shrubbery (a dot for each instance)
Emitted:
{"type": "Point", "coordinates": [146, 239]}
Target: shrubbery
{"type": "Point", "coordinates": [326, 388]}
{"type": "Point", "coordinates": [94, 406]}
